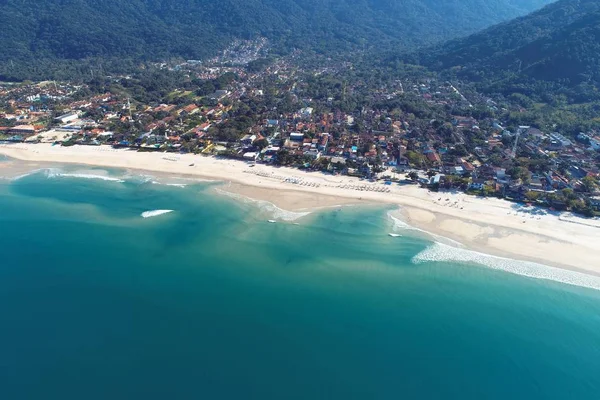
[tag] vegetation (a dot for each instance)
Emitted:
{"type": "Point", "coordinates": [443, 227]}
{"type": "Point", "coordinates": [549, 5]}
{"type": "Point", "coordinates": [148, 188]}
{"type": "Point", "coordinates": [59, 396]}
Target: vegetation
{"type": "Point", "coordinates": [552, 50]}
{"type": "Point", "coordinates": [542, 69]}
{"type": "Point", "coordinates": [114, 35]}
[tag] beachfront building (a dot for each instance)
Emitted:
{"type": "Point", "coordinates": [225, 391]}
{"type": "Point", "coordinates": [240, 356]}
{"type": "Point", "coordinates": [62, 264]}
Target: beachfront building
{"type": "Point", "coordinates": [66, 118]}
{"type": "Point", "coordinates": [22, 130]}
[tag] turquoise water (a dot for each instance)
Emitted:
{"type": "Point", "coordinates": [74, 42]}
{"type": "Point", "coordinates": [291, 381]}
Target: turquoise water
{"type": "Point", "coordinates": [211, 301]}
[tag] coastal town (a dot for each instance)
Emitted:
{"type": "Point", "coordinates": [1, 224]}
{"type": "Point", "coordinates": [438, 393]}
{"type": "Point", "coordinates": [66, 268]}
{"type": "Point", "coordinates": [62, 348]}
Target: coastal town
{"type": "Point", "coordinates": [290, 111]}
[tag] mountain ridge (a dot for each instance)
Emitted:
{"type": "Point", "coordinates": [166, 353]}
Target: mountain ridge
{"type": "Point", "coordinates": [558, 43]}
{"type": "Point", "coordinates": [155, 29]}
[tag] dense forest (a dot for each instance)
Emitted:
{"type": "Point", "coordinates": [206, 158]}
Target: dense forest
{"type": "Point", "coordinates": [557, 44]}
{"type": "Point", "coordinates": [48, 37]}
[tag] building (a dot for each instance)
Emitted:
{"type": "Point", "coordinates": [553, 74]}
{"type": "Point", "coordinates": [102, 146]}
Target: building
{"type": "Point", "coordinates": [248, 139]}
{"type": "Point", "coordinates": [66, 118]}
{"type": "Point", "coordinates": [559, 140]}
{"type": "Point", "coordinates": [477, 184]}
{"type": "Point", "coordinates": [433, 157]}
{"type": "Point", "coordinates": [296, 137]}
{"type": "Point", "coordinates": [22, 130]}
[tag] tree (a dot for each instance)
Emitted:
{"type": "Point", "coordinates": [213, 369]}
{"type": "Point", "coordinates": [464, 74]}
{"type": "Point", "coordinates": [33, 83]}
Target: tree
{"type": "Point", "coordinates": [589, 184]}
{"type": "Point", "coordinates": [261, 143]}
{"type": "Point", "coordinates": [569, 194]}
{"type": "Point", "coordinates": [489, 190]}
{"type": "Point", "coordinates": [532, 196]}
{"type": "Point", "coordinates": [460, 151]}
{"type": "Point", "coordinates": [414, 158]}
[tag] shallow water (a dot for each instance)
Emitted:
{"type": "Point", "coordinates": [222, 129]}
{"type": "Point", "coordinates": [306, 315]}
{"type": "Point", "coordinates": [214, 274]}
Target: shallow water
{"type": "Point", "coordinates": [212, 301]}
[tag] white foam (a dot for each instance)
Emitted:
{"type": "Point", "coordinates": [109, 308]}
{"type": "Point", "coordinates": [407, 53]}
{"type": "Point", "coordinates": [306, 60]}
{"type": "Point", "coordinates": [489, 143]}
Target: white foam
{"type": "Point", "coordinates": [155, 213]}
{"type": "Point", "coordinates": [35, 171]}
{"type": "Point", "coordinates": [279, 213]}
{"type": "Point", "coordinates": [400, 225]}
{"type": "Point", "coordinates": [179, 185]}
{"type": "Point", "coordinates": [267, 207]}
{"type": "Point", "coordinates": [139, 179]}
{"type": "Point", "coordinates": [439, 252]}
{"type": "Point", "coordinates": [196, 179]}
{"type": "Point", "coordinates": [54, 173]}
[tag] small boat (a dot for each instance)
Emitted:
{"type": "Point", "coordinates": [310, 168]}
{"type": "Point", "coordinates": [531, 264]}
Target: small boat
{"type": "Point", "coordinates": [272, 221]}
{"type": "Point", "coordinates": [191, 165]}
{"type": "Point", "coordinates": [394, 234]}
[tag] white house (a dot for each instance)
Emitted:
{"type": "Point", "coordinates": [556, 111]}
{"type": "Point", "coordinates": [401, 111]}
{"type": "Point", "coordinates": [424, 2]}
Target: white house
{"type": "Point", "coordinates": [66, 118]}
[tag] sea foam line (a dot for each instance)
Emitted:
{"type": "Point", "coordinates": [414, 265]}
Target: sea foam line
{"type": "Point", "coordinates": [140, 179]}
{"type": "Point", "coordinates": [268, 207]}
{"type": "Point", "coordinates": [439, 252]}
{"type": "Point", "coordinates": [179, 185]}
{"type": "Point", "coordinates": [155, 213]}
{"type": "Point", "coordinates": [400, 225]}
{"type": "Point", "coordinates": [33, 172]}
{"type": "Point", "coordinates": [54, 173]}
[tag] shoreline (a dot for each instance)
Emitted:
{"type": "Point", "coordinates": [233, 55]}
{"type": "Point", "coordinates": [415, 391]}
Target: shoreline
{"type": "Point", "coordinates": [489, 226]}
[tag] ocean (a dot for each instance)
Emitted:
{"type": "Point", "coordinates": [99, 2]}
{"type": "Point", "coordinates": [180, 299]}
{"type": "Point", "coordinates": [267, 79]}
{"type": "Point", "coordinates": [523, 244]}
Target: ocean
{"type": "Point", "coordinates": [115, 285]}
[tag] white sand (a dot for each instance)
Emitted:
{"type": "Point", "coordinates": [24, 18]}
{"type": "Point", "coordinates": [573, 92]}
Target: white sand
{"type": "Point", "coordinates": [489, 225]}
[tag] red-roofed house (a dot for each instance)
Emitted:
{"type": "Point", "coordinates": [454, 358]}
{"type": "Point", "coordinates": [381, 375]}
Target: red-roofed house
{"type": "Point", "coordinates": [434, 157]}
{"type": "Point", "coordinates": [22, 130]}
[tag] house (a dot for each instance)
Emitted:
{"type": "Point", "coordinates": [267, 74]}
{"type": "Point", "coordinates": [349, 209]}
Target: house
{"type": "Point", "coordinates": [296, 137]}
{"type": "Point", "coordinates": [338, 160]}
{"type": "Point", "coordinates": [456, 170]}
{"type": "Point", "coordinates": [500, 173]}
{"type": "Point", "coordinates": [323, 142]}
{"type": "Point", "coordinates": [306, 112]}
{"type": "Point", "coordinates": [468, 167]}
{"type": "Point", "coordinates": [204, 127]}
{"type": "Point", "coordinates": [219, 94]}
{"type": "Point", "coordinates": [191, 109]}
{"type": "Point", "coordinates": [66, 118]}
{"type": "Point", "coordinates": [536, 185]}
{"type": "Point", "coordinates": [22, 130]}
{"type": "Point", "coordinates": [313, 153]}
{"type": "Point", "coordinates": [477, 184]}
{"type": "Point", "coordinates": [436, 179]}
{"type": "Point", "coordinates": [433, 157]}
{"type": "Point", "coordinates": [559, 140]}
{"type": "Point", "coordinates": [248, 139]}
{"type": "Point", "coordinates": [464, 122]}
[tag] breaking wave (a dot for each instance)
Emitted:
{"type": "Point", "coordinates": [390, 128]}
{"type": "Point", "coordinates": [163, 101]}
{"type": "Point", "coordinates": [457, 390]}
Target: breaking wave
{"type": "Point", "coordinates": [54, 173]}
{"type": "Point", "coordinates": [439, 252]}
{"type": "Point", "coordinates": [267, 207]}
{"type": "Point", "coordinates": [179, 185]}
{"type": "Point", "coordinates": [35, 171]}
{"type": "Point", "coordinates": [399, 225]}
{"type": "Point", "coordinates": [138, 179]}
{"type": "Point", "coordinates": [155, 213]}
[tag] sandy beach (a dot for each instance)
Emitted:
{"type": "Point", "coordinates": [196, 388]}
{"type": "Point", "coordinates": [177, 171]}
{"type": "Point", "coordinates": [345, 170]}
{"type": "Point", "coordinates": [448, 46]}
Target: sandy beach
{"type": "Point", "coordinates": [490, 226]}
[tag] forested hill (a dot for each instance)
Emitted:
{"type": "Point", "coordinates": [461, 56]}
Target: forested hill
{"type": "Point", "coordinates": [154, 29]}
{"type": "Point", "coordinates": [559, 43]}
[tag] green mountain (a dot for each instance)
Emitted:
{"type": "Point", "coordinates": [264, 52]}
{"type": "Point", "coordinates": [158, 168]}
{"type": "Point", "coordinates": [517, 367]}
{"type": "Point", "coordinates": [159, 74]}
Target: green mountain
{"type": "Point", "coordinates": [155, 29]}
{"type": "Point", "coordinates": [559, 43]}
